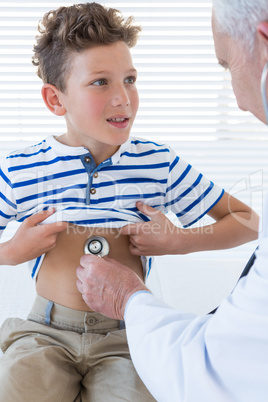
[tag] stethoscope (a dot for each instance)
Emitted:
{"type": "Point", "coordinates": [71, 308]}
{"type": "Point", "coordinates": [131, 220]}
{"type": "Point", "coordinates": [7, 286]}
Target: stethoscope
{"type": "Point", "coordinates": [97, 245]}
{"type": "Point", "coordinates": [264, 90]}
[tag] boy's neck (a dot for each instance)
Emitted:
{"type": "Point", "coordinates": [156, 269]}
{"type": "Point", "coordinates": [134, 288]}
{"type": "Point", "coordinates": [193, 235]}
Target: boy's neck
{"type": "Point", "coordinates": [99, 153]}
{"type": "Point", "coordinates": [100, 157]}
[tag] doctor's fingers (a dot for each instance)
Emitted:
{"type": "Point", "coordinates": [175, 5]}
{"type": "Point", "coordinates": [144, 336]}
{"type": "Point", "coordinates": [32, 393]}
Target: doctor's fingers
{"type": "Point", "coordinates": [79, 285]}
{"type": "Point", "coordinates": [83, 279]}
{"type": "Point", "coordinates": [80, 273]}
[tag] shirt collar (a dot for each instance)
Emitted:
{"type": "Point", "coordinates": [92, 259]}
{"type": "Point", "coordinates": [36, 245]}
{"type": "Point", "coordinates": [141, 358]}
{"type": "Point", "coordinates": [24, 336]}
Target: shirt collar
{"type": "Point", "coordinates": [68, 150]}
{"type": "Point", "coordinates": [117, 155]}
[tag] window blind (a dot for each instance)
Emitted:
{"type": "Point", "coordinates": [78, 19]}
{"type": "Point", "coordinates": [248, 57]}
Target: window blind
{"type": "Point", "coordinates": [186, 98]}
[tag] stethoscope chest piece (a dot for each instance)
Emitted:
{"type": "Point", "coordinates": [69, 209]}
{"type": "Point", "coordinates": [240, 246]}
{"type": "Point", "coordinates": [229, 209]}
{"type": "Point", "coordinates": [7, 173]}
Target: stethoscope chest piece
{"type": "Point", "coordinates": [96, 245]}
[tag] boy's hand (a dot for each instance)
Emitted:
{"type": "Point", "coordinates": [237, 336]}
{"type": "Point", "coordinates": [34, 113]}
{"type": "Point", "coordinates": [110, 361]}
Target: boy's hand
{"type": "Point", "coordinates": [156, 237]}
{"type": "Point", "coordinates": [32, 240]}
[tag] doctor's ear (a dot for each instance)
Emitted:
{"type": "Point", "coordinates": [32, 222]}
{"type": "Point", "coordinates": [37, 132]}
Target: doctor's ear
{"type": "Point", "coordinates": [262, 32]}
{"type": "Point", "coordinates": [51, 97]}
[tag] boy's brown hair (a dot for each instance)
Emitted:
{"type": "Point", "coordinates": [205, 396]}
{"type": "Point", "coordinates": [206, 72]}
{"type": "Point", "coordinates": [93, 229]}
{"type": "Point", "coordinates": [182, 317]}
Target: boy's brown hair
{"type": "Point", "coordinates": [74, 29]}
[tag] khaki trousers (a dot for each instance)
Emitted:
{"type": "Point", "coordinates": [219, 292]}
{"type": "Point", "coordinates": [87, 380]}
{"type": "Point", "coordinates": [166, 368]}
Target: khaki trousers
{"type": "Point", "coordinates": [60, 354]}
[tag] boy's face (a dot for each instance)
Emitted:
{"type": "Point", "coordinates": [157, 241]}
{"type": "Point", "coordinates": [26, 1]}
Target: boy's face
{"type": "Point", "coordinates": [101, 99]}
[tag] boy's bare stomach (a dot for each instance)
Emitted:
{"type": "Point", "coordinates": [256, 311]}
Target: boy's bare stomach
{"type": "Point", "coordinates": [56, 280]}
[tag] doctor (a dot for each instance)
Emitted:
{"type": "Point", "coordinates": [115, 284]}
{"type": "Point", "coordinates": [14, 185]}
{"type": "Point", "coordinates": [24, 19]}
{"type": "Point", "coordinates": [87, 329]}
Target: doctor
{"type": "Point", "coordinates": [215, 358]}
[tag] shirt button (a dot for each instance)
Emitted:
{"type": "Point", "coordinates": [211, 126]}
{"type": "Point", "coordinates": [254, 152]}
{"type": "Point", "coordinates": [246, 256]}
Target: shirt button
{"type": "Point", "coordinates": [87, 159]}
{"type": "Point", "coordinates": [95, 175]}
{"type": "Point", "coordinates": [93, 191]}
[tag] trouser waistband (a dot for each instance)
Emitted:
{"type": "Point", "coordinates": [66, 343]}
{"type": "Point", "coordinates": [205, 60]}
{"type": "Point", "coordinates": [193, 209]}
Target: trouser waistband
{"type": "Point", "coordinates": [47, 312]}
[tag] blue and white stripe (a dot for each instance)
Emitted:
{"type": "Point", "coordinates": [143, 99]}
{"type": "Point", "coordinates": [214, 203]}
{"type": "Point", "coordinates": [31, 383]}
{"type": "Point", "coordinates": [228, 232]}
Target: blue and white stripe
{"type": "Point", "coordinates": [67, 178]}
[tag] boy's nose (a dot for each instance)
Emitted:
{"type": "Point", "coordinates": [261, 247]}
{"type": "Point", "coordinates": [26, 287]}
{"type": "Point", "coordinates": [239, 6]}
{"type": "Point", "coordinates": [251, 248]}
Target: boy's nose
{"type": "Point", "coordinates": [120, 97]}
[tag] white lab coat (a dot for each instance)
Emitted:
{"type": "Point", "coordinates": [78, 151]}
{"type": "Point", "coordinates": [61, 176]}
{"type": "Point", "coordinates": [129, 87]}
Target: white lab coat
{"type": "Point", "coordinates": [215, 358]}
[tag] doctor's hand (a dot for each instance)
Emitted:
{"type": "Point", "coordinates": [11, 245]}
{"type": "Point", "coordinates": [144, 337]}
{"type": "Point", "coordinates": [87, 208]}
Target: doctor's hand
{"type": "Point", "coordinates": [106, 285]}
{"type": "Point", "coordinates": [156, 237]}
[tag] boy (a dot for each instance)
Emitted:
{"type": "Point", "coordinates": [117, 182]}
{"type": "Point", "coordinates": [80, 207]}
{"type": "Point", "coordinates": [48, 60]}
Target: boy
{"type": "Point", "coordinates": [86, 183]}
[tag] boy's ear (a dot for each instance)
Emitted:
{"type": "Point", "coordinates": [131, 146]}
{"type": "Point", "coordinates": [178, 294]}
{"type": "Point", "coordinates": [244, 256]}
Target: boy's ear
{"type": "Point", "coordinates": [51, 97]}
{"type": "Point", "coordinates": [262, 33]}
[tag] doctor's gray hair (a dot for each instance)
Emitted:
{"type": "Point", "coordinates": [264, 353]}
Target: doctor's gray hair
{"type": "Point", "coordinates": [239, 19]}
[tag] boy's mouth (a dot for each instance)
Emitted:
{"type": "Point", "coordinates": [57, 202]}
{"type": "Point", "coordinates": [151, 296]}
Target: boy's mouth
{"type": "Point", "coordinates": [118, 119]}
{"type": "Point", "coordinates": [119, 122]}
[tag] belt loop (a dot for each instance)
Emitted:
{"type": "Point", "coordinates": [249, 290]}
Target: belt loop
{"type": "Point", "coordinates": [122, 324]}
{"type": "Point", "coordinates": [85, 322]}
{"type": "Point", "coordinates": [48, 312]}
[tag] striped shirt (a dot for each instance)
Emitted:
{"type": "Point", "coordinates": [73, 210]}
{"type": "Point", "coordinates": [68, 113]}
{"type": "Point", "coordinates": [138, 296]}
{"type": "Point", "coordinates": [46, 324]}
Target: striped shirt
{"type": "Point", "coordinates": [67, 178]}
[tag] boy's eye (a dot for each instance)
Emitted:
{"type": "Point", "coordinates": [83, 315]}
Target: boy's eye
{"type": "Point", "coordinates": [130, 80]}
{"type": "Point", "coordinates": [99, 82]}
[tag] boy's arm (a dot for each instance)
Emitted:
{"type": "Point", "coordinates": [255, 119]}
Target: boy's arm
{"type": "Point", "coordinates": [31, 239]}
{"type": "Point", "coordinates": [236, 223]}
